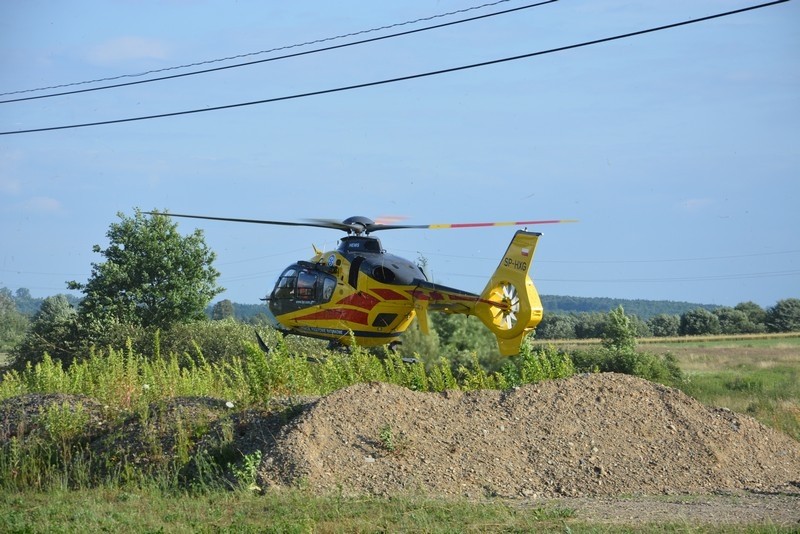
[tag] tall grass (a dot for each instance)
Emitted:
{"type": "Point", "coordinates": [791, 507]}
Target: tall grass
{"type": "Point", "coordinates": [770, 394]}
{"type": "Point", "coordinates": [64, 445]}
{"type": "Point", "coordinates": [130, 381]}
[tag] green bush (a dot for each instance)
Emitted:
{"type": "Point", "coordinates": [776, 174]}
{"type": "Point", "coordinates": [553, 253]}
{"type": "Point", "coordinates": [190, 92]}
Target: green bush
{"type": "Point", "coordinates": [661, 368]}
{"type": "Point", "coordinates": [537, 364]}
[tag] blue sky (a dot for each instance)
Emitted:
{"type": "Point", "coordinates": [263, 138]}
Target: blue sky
{"type": "Point", "coordinates": [677, 150]}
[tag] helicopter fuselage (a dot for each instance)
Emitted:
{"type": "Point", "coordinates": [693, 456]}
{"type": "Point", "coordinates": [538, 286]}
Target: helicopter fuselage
{"type": "Point", "coordinates": [358, 292]}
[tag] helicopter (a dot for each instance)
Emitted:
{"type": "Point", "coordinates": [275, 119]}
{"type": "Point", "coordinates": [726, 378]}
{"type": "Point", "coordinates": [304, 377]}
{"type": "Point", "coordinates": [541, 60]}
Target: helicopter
{"type": "Point", "coordinates": [361, 294]}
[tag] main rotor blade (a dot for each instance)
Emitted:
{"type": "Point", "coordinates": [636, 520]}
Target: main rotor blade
{"type": "Point", "coordinates": [317, 224]}
{"type": "Point", "coordinates": [358, 225]}
{"type": "Point", "coordinates": [467, 225]}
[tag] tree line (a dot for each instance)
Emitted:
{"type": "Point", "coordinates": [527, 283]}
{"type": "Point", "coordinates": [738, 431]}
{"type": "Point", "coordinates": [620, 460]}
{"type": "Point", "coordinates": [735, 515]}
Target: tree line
{"type": "Point", "coordinates": [744, 318]}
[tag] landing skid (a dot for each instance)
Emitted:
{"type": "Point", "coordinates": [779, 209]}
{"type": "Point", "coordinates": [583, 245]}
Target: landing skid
{"type": "Point", "coordinates": [266, 350]}
{"type": "Point", "coordinates": [334, 346]}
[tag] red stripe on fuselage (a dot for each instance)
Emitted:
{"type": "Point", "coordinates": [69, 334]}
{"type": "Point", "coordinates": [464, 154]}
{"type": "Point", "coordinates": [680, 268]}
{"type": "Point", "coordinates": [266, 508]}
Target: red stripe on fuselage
{"type": "Point", "coordinates": [360, 300]}
{"type": "Point", "coordinates": [389, 294]}
{"type": "Point", "coordinates": [340, 314]}
{"type": "Point", "coordinates": [439, 297]}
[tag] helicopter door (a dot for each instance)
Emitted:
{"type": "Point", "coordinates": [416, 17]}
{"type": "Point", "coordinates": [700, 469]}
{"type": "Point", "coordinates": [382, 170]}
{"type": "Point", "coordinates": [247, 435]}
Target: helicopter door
{"type": "Point", "coordinates": [305, 286]}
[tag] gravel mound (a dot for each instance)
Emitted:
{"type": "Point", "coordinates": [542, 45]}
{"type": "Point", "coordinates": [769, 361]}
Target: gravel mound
{"type": "Point", "coordinates": [25, 415]}
{"type": "Point", "coordinates": [586, 436]}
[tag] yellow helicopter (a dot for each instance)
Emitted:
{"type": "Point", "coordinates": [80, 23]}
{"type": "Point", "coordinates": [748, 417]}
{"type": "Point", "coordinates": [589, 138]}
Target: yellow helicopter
{"type": "Point", "coordinates": [360, 293]}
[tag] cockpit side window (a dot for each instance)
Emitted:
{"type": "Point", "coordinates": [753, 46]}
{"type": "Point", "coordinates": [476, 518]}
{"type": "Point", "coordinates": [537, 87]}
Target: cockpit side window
{"type": "Point", "coordinates": [328, 287]}
{"type": "Point", "coordinates": [301, 287]}
{"type": "Point", "coordinates": [285, 288]}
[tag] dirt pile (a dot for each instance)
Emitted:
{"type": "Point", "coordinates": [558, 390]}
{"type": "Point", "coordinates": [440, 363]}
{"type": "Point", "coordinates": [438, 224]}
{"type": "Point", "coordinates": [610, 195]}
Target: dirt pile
{"type": "Point", "coordinates": [589, 435]}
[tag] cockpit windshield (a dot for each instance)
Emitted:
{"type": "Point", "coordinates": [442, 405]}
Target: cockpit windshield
{"type": "Point", "coordinates": [300, 287]}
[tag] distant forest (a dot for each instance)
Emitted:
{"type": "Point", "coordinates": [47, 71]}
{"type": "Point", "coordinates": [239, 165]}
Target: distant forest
{"type": "Point", "coordinates": [643, 309]}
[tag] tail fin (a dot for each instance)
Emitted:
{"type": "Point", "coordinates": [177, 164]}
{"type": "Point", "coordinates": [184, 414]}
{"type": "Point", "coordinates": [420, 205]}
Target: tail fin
{"type": "Point", "coordinates": [510, 306]}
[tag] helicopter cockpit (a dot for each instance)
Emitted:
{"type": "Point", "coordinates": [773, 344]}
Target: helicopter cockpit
{"type": "Point", "coordinates": [299, 286]}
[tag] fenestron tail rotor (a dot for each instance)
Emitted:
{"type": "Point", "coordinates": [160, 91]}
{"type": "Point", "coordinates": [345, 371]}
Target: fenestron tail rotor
{"type": "Point", "coordinates": [505, 313]}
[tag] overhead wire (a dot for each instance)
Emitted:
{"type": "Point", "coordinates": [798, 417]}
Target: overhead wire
{"type": "Point", "coordinates": [277, 58]}
{"type": "Point", "coordinates": [402, 78]}
{"type": "Point", "coordinates": [707, 278]}
{"type": "Point", "coordinates": [667, 260]}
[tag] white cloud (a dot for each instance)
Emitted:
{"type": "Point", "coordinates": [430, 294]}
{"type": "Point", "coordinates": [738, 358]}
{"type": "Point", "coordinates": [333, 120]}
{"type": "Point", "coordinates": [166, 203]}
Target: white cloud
{"type": "Point", "coordinates": [10, 186]}
{"type": "Point", "coordinates": [9, 162]}
{"type": "Point", "coordinates": [42, 205]}
{"type": "Point", "coordinates": [125, 49]}
{"type": "Point", "coordinates": [694, 204]}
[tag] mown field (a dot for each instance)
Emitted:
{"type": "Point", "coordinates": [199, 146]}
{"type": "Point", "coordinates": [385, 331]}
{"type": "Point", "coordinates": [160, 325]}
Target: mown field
{"type": "Point", "coordinates": [755, 376]}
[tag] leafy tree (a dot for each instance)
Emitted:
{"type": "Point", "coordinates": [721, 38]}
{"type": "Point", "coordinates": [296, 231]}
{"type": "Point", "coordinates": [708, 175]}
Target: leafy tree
{"type": "Point", "coordinates": [640, 327]}
{"type": "Point", "coordinates": [26, 303]}
{"type": "Point", "coordinates": [222, 310]}
{"type": "Point", "coordinates": [665, 325]}
{"type": "Point", "coordinates": [463, 339]}
{"type": "Point", "coordinates": [618, 353]}
{"type": "Point", "coordinates": [699, 322]}
{"type": "Point", "coordinates": [618, 335]}
{"type": "Point", "coordinates": [590, 325]}
{"type": "Point", "coordinates": [52, 331]}
{"type": "Point", "coordinates": [463, 332]}
{"type": "Point", "coordinates": [784, 316]}
{"type": "Point", "coordinates": [556, 326]}
{"type": "Point", "coordinates": [12, 323]}
{"type": "Point", "coordinates": [152, 276]}
{"type": "Point", "coordinates": [415, 344]}
{"type": "Point", "coordinates": [755, 313]}
{"type": "Point", "coordinates": [733, 321]}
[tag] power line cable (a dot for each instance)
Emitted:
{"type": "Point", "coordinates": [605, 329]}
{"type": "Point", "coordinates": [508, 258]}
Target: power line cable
{"type": "Point", "coordinates": [676, 260]}
{"type": "Point", "coordinates": [738, 276]}
{"type": "Point", "coordinates": [572, 262]}
{"type": "Point", "coordinates": [699, 278]}
{"type": "Point", "coordinates": [401, 78]}
{"type": "Point", "coordinates": [249, 63]}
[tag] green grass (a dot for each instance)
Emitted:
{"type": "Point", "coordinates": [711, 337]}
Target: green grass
{"type": "Point", "coordinates": [116, 510]}
{"type": "Point", "coordinates": [771, 394]}
{"type": "Point", "coordinates": [150, 511]}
